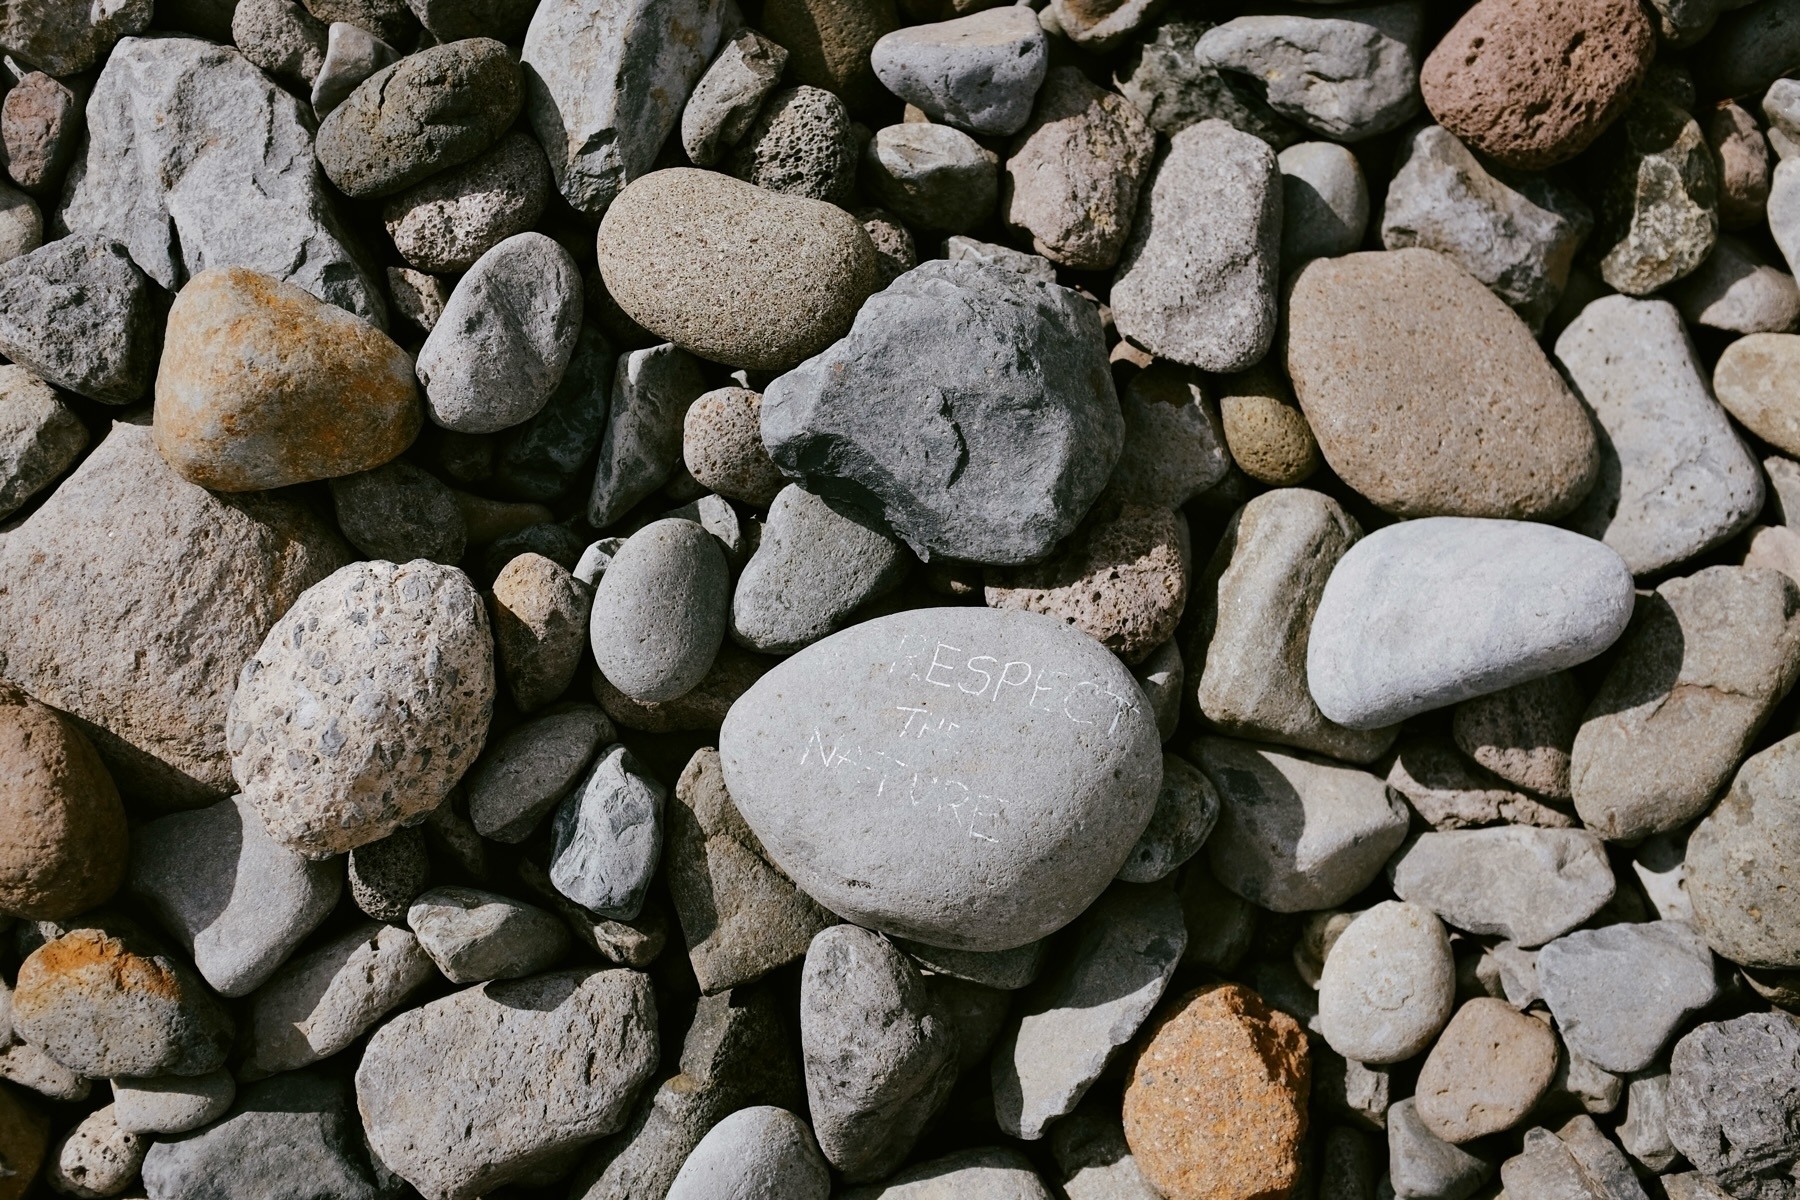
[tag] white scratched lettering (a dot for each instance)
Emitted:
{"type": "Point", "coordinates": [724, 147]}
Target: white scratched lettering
{"type": "Point", "coordinates": [943, 795]}
{"type": "Point", "coordinates": [935, 664]}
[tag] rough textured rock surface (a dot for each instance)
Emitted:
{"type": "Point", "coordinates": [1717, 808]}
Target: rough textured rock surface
{"type": "Point", "coordinates": [801, 144]}
{"type": "Point", "coordinates": [1524, 734]}
{"type": "Point", "coordinates": [727, 97]}
{"type": "Point", "coordinates": [1733, 1102]}
{"type": "Point", "coordinates": [64, 41]}
{"type": "Point", "coordinates": [1487, 1069]}
{"type": "Point", "coordinates": [1658, 199]}
{"type": "Point", "coordinates": [40, 437]}
{"type": "Point", "coordinates": [1741, 864]}
{"type": "Point", "coordinates": [1526, 885]}
{"type": "Point", "coordinates": [78, 314]}
{"type": "Point", "coordinates": [446, 222]}
{"type": "Point", "coordinates": [640, 446]}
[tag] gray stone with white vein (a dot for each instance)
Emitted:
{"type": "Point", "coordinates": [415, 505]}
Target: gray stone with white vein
{"type": "Point", "coordinates": [607, 837]}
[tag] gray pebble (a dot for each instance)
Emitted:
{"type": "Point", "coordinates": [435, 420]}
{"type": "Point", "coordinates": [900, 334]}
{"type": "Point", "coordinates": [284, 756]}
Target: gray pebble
{"type": "Point", "coordinates": [419, 298]}
{"type": "Point", "coordinates": [1524, 884]}
{"type": "Point", "coordinates": [1618, 993]}
{"type": "Point", "coordinates": [1389, 984]}
{"type": "Point", "coordinates": [505, 337]}
{"type": "Point", "coordinates": [800, 145]}
{"type": "Point", "coordinates": [755, 1152]}
{"type": "Point", "coordinates": [641, 444]}
{"type": "Point", "coordinates": [961, 248]}
{"type": "Point", "coordinates": [1324, 202]}
{"type": "Point", "coordinates": [1422, 1166]}
{"type": "Point", "coordinates": [1187, 808]}
{"type": "Point", "coordinates": [77, 313]}
{"type": "Point", "coordinates": [352, 54]}
{"type": "Point", "coordinates": [1734, 1102]}
{"type": "Point", "coordinates": [932, 176]}
{"type": "Point", "coordinates": [608, 836]}
{"type": "Point", "coordinates": [235, 898]}
{"type": "Point", "coordinates": [399, 512]}
{"type": "Point", "coordinates": [667, 566]}
{"type": "Point", "coordinates": [1644, 1132]}
{"type": "Point", "coordinates": [978, 72]}
{"type": "Point", "coordinates": [1166, 82]}
{"type": "Point", "coordinates": [543, 458]}
{"type": "Point", "coordinates": [445, 223]}
{"type": "Point", "coordinates": [989, 1173]}
{"type": "Point", "coordinates": [281, 37]}
{"type": "Point", "coordinates": [1740, 860]}
{"type": "Point", "coordinates": [385, 876]}
{"type": "Point", "coordinates": [40, 437]}
{"type": "Point", "coordinates": [1196, 282]}
{"type": "Point", "coordinates": [728, 96]}
{"type": "Point", "coordinates": [475, 936]}
{"type": "Point", "coordinates": [1734, 290]}
{"type": "Point", "coordinates": [172, 1103]}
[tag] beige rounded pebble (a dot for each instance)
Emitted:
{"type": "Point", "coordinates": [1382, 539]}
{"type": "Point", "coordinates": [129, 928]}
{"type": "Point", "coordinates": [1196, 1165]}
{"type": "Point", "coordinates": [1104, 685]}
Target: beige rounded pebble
{"type": "Point", "coordinates": [1388, 984]}
{"type": "Point", "coordinates": [1265, 430]}
{"type": "Point", "coordinates": [540, 616]}
{"type": "Point", "coordinates": [733, 272]}
{"type": "Point", "coordinates": [721, 443]}
{"type": "Point", "coordinates": [1489, 1067]}
{"type": "Point", "coordinates": [95, 1159]}
{"type": "Point", "coordinates": [1757, 379]}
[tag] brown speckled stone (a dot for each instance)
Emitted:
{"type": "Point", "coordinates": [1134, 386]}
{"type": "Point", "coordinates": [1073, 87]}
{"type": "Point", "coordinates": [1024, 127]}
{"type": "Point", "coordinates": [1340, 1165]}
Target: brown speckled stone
{"type": "Point", "coordinates": [40, 124]}
{"type": "Point", "coordinates": [1744, 167]}
{"type": "Point", "coordinates": [540, 616]}
{"type": "Point", "coordinates": [721, 443]}
{"type": "Point", "coordinates": [1489, 1066]}
{"type": "Point", "coordinates": [828, 43]}
{"type": "Point", "coordinates": [1523, 734]}
{"type": "Point", "coordinates": [1532, 83]}
{"type": "Point", "coordinates": [1265, 430]}
{"type": "Point", "coordinates": [1215, 1108]}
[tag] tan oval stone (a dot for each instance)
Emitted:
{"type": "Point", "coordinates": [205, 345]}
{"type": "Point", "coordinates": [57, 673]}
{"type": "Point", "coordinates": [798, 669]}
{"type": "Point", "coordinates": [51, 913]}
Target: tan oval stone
{"type": "Point", "coordinates": [1757, 379]}
{"type": "Point", "coordinates": [732, 272]}
{"type": "Point", "coordinates": [1428, 395]}
{"type": "Point", "coordinates": [1266, 432]}
{"type": "Point", "coordinates": [1489, 1067]}
{"type": "Point", "coordinates": [721, 443]}
{"type": "Point", "coordinates": [262, 386]}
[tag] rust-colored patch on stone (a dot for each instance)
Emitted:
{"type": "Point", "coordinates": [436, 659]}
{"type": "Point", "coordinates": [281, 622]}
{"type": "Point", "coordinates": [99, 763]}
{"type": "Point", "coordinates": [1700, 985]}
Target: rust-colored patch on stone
{"type": "Point", "coordinates": [1216, 1105]}
{"type": "Point", "coordinates": [89, 959]}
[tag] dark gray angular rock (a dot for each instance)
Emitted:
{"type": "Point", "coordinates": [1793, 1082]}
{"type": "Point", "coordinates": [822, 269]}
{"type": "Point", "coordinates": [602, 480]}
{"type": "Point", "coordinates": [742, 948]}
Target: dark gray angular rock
{"type": "Point", "coordinates": [386, 876]}
{"type": "Point", "coordinates": [1734, 1104]}
{"type": "Point", "coordinates": [932, 176]}
{"type": "Point", "coordinates": [352, 54]}
{"type": "Point", "coordinates": [668, 567]}
{"type": "Point", "coordinates": [40, 437]}
{"type": "Point", "coordinates": [1167, 83]}
{"type": "Point", "coordinates": [542, 459]}
{"type": "Point", "coordinates": [1618, 993]}
{"type": "Point", "coordinates": [802, 145]}
{"type": "Point", "coordinates": [195, 159]}
{"type": "Point", "coordinates": [428, 112]}
{"type": "Point", "coordinates": [969, 406]}
{"type": "Point", "coordinates": [1187, 808]}
{"type": "Point", "coordinates": [288, 1138]}
{"type": "Point", "coordinates": [729, 95]}
{"type": "Point", "coordinates": [608, 836]}
{"type": "Point", "coordinates": [640, 446]}
{"type": "Point", "coordinates": [78, 313]}
{"type": "Point", "coordinates": [879, 1062]}
{"type": "Point", "coordinates": [399, 512]}
{"type": "Point", "coordinates": [1752, 48]}
{"type": "Point", "coordinates": [978, 72]}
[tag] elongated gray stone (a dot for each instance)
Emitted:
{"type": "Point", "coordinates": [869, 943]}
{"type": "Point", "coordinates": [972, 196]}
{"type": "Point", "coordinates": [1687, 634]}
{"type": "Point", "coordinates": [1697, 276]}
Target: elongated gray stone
{"type": "Point", "coordinates": [1425, 613]}
{"type": "Point", "coordinates": [1524, 884]}
{"type": "Point", "coordinates": [659, 611]}
{"type": "Point", "coordinates": [608, 836]}
{"type": "Point", "coordinates": [640, 446]}
{"type": "Point", "coordinates": [474, 936]}
{"type": "Point", "coordinates": [527, 772]}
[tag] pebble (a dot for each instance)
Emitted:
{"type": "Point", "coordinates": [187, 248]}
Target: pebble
{"type": "Point", "coordinates": [321, 1002]}
{"type": "Point", "coordinates": [399, 512]}
{"type": "Point", "coordinates": [608, 836]}
{"type": "Point", "coordinates": [756, 1151]}
{"type": "Point", "coordinates": [1488, 1068]}
{"type": "Point", "coordinates": [130, 597]}
{"type": "Point", "coordinates": [102, 1005]}
{"type": "Point", "coordinates": [474, 935]}
{"type": "Point", "coordinates": [1422, 1166]}
{"type": "Point", "coordinates": [640, 446]}
{"type": "Point", "coordinates": [1619, 993]}
{"type": "Point", "coordinates": [392, 663]}
{"type": "Point", "coordinates": [67, 41]}
{"type": "Point", "coordinates": [1643, 1134]}
{"type": "Point", "coordinates": [195, 159]}
{"type": "Point", "coordinates": [933, 176]}
{"type": "Point", "coordinates": [1739, 859]}
{"type": "Point", "coordinates": [1388, 986]}
{"type": "Point", "coordinates": [1075, 171]}
{"type": "Point", "coordinates": [1707, 661]}
{"type": "Point", "coordinates": [385, 876]}
{"type": "Point", "coordinates": [1324, 202]}
{"type": "Point", "coordinates": [1577, 1161]}
{"type": "Point", "coordinates": [1752, 49]}
{"type": "Point", "coordinates": [733, 272]}
{"type": "Point", "coordinates": [499, 350]}
{"type": "Point", "coordinates": [1733, 1103]}
{"type": "Point", "coordinates": [1075, 1018]}
{"type": "Point", "coordinates": [1505, 82]}
{"type": "Point", "coordinates": [352, 54]}
{"type": "Point", "coordinates": [1016, 442]}
{"type": "Point", "coordinates": [829, 43]}
{"type": "Point", "coordinates": [991, 878]}
{"type": "Point", "coordinates": [1412, 618]}
{"type": "Point", "coordinates": [1216, 1099]}
{"type": "Point", "coordinates": [41, 121]}
{"type": "Point", "coordinates": [447, 222]}
{"type": "Point", "coordinates": [1265, 430]}
{"type": "Point", "coordinates": [428, 112]}
{"type": "Point", "coordinates": [21, 224]}
{"type": "Point", "coordinates": [817, 562]}
{"type": "Point", "coordinates": [988, 1173]}
{"type": "Point", "coordinates": [639, 650]}
{"type": "Point", "coordinates": [77, 313]}
{"type": "Point", "coordinates": [543, 459]}
{"type": "Point", "coordinates": [540, 618]}
{"type": "Point", "coordinates": [1518, 234]}
{"type": "Point", "coordinates": [96, 1158]}
{"type": "Point", "coordinates": [1121, 578]}
{"type": "Point", "coordinates": [418, 298]}
{"type": "Point", "coordinates": [1296, 832]}
{"type": "Point", "coordinates": [1650, 234]}
{"type": "Point", "coordinates": [1780, 107]}
{"type": "Point", "coordinates": [978, 72]}
{"type": "Point", "coordinates": [235, 899]}
{"type": "Point", "coordinates": [282, 38]}
{"type": "Point", "coordinates": [1476, 422]}
{"type": "Point", "coordinates": [1187, 809]}
{"type": "Point", "coordinates": [1527, 885]}
{"type": "Point", "coordinates": [1174, 446]}
{"type": "Point", "coordinates": [1750, 380]}
{"type": "Point", "coordinates": [1736, 291]}
{"type": "Point", "coordinates": [1196, 281]}
{"type": "Point", "coordinates": [801, 144]}
{"type": "Point", "coordinates": [172, 1103]}
{"type": "Point", "coordinates": [1742, 153]}
{"type": "Point", "coordinates": [1449, 793]}
{"type": "Point", "coordinates": [725, 101]}
{"type": "Point", "coordinates": [282, 1135]}
{"type": "Point", "coordinates": [1256, 603]}
{"type": "Point", "coordinates": [1161, 76]}
{"type": "Point", "coordinates": [879, 1060]}
{"type": "Point", "coordinates": [721, 446]}
{"type": "Point", "coordinates": [62, 827]}
{"type": "Point", "coordinates": [252, 385]}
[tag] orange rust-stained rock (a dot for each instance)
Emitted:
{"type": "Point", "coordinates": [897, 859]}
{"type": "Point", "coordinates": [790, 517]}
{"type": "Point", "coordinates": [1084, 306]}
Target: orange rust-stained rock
{"type": "Point", "coordinates": [261, 385]}
{"type": "Point", "coordinates": [1215, 1108]}
{"type": "Point", "coordinates": [62, 827]}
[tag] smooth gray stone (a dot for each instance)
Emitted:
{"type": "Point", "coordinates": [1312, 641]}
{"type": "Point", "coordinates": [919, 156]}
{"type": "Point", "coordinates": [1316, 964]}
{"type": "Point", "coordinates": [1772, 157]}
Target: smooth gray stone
{"type": "Point", "coordinates": [1076, 1018]}
{"type": "Point", "coordinates": [1675, 477]}
{"type": "Point", "coordinates": [172, 1103]}
{"type": "Point", "coordinates": [969, 406]}
{"type": "Point", "coordinates": [1425, 613]}
{"type": "Point", "coordinates": [324, 1000]}
{"type": "Point", "coordinates": [1739, 861]}
{"type": "Point", "coordinates": [1168, 85]}
{"type": "Point", "coordinates": [1515, 232]}
{"type": "Point", "coordinates": [660, 610]}
{"type": "Point", "coordinates": [235, 899]}
{"type": "Point", "coordinates": [802, 144]}
{"type": "Point", "coordinates": [900, 797]}
{"type": "Point", "coordinates": [426, 113]}
{"type": "Point", "coordinates": [352, 54]}
{"type": "Point", "coordinates": [488, 1085]}
{"type": "Point", "coordinates": [290, 1138]}
{"type": "Point", "coordinates": [1388, 985]}
{"type": "Point", "coordinates": [1620, 992]}
{"type": "Point", "coordinates": [725, 101]}
{"type": "Point", "coordinates": [78, 314]}
{"type": "Point", "coordinates": [1197, 279]}
{"type": "Point", "coordinates": [979, 72]}
{"type": "Point", "coordinates": [195, 159]}
{"type": "Point", "coordinates": [640, 447]}
{"type": "Point", "coordinates": [1734, 1103]}
{"type": "Point", "coordinates": [1295, 832]}
{"type": "Point", "coordinates": [756, 1152]}
{"type": "Point", "coordinates": [607, 837]}
{"type": "Point", "coordinates": [1524, 884]}
{"type": "Point", "coordinates": [1781, 109]}
{"type": "Point", "coordinates": [1421, 1166]}
{"type": "Point", "coordinates": [1644, 1132]}
{"type": "Point", "coordinates": [40, 437]}
{"type": "Point", "coordinates": [400, 512]}
{"type": "Point", "coordinates": [818, 560]}
{"type": "Point", "coordinates": [1736, 291]}
{"type": "Point", "coordinates": [506, 335]}
{"type": "Point", "coordinates": [1187, 808]}
{"type": "Point", "coordinates": [990, 1173]}
{"type": "Point", "coordinates": [932, 176]}
{"type": "Point", "coordinates": [474, 936]}
{"type": "Point", "coordinates": [606, 82]}
{"type": "Point", "coordinates": [524, 775]}
{"type": "Point", "coordinates": [1348, 75]}
{"type": "Point", "coordinates": [879, 1061]}
{"type": "Point", "coordinates": [542, 459]}
{"type": "Point", "coordinates": [1324, 202]}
